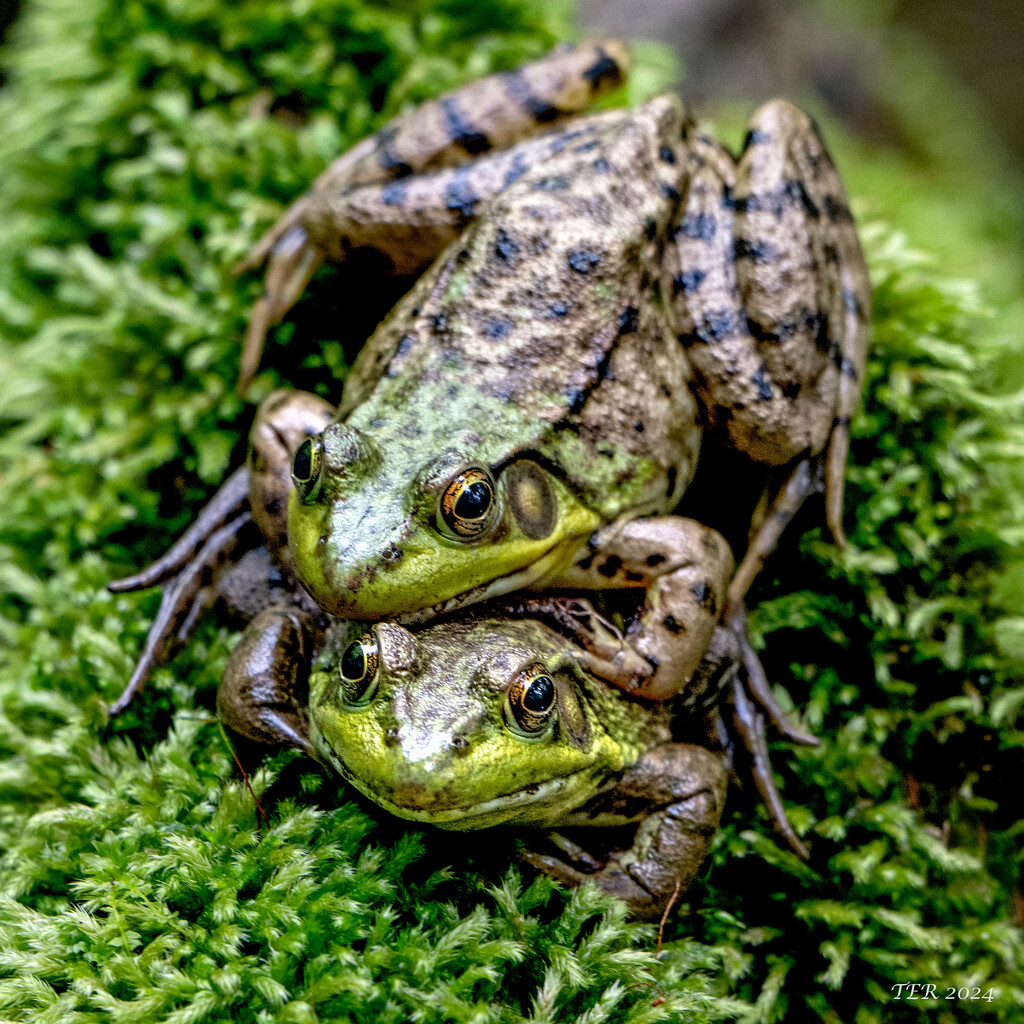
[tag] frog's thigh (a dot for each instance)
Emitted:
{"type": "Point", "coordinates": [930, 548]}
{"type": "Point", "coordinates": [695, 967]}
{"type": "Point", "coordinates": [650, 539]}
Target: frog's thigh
{"type": "Point", "coordinates": [265, 688]}
{"type": "Point", "coordinates": [771, 290]}
{"type": "Point", "coordinates": [685, 567]}
{"type": "Point", "coordinates": [283, 421]}
{"type": "Point", "coordinates": [410, 221]}
{"type": "Point", "coordinates": [687, 786]}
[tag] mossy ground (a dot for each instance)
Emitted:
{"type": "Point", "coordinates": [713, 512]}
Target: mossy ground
{"type": "Point", "coordinates": [143, 145]}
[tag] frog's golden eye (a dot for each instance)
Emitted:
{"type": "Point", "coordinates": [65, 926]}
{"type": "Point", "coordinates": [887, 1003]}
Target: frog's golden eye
{"type": "Point", "coordinates": [306, 466]}
{"type": "Point", "coordinates": [358, 670]}
{"type": "Point", "coordinates": [468, 507]}
{"type": "Point", "coordinates": [531, 699]}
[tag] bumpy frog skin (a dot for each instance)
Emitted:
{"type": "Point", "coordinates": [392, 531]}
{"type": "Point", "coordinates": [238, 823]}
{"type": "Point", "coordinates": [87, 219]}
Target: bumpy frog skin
{"type": "Point", "coordinates": [594, 295]}
{"type": "Point", "coordinates": [477, 722]}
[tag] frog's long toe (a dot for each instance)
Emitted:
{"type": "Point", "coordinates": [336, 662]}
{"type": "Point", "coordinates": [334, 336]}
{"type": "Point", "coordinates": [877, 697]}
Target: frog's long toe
{"type": "Point", "coordinates": [185, 597]}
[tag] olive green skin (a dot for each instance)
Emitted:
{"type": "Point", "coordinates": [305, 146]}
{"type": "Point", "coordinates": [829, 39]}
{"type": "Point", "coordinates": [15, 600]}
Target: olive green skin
{"type": "Point", "coordinates": [434, 739]}
{"type": "Point", "coordinates": [539, 336]}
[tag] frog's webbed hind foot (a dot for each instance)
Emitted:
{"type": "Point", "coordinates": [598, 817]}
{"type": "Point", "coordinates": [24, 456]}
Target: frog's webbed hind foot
{"type": "Point", "coordinates": [294, 260]}
{"type": "Point", "coordinates": [779, 503]}
{"type": "Point", "coordinates": [753, 704]}
{"type": "Point", "coordinates": [187, 593]}
{"type": "Point", "coordinates": [684, 788]}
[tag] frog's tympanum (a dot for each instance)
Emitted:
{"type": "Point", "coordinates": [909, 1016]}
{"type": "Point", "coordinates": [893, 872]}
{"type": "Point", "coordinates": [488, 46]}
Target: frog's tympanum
{"type": "Point", "coordinates": [478, 721]}
{"type": "Point", "coordinates": [596, 291]}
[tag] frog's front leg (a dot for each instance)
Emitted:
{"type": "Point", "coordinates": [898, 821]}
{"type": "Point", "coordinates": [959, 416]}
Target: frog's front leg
{"type": "Point", "coordinates": [685, 567]}
{"type": "Point", "coordinates": [772, 301]}
{"type": "Point", "coordinates": [237, 547]}
{"type": "Point", "coordinates": [684, 786]}
{"type": "Point", "coordinates": [264, 692]}
{"type": "Point", "coordinates": [367, 197]}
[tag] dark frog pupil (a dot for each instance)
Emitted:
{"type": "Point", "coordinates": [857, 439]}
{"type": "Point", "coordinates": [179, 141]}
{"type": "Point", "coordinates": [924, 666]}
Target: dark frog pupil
{"type": "Point", "coordinates": [539, 695]}
{"type": "Point", "coordinates": [353, 662]}
{"type": "Point", "coordinates": [474, 501]}
{"type": "Point", "coordinates": [302, 466]}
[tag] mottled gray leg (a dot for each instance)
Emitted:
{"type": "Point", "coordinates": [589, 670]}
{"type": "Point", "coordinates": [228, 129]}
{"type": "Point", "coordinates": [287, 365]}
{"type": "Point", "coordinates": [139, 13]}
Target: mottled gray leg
{"type": "Point", "coordinates": [265, 688]}
{"type": "Point", "coordinates": [488, 116]}
{"type": "Point", "coordinates": [683, 787]}
{"type": "Point", "coordinates": [772, 296]}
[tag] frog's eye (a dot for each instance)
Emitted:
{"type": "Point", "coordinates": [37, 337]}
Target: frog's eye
{"type": "Point", "coordinates": [358, 670]}
{"type": "Point", "coordinates": [306, 465]}
{"type": "Point", "coordinates": [468, 508]}
{"type": "Point", "coordinates": [531, 698]}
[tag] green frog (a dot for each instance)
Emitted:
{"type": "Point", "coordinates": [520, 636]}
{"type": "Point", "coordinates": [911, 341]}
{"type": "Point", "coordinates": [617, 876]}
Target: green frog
{"type": "Point", "coordinates": [600, 290]}
{"type": "Point", "coordinates": [478, 721]}
{"type": "Point", "coordinates": [597, 295]}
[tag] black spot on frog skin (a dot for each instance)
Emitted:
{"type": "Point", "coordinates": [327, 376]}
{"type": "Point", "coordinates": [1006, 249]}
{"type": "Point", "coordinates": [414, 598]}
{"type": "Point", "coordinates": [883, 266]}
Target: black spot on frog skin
{"type": "Point", "coordinates": [759, 252]}
{"type": "Point", "coordinates": [604, 69]}
{"type": "Point", "coordinates": [460, 132]}
{"type": "Point", "coordinates": [650, 229]}
{"type": "Point", "coordinates": [639, 426]}
{"type": "Point", "coordinates": [519, 92]}
{"type": "Point", "coordinates": [852, 303]}
{"type": "Point", "coordinates": [756, 137]}
{"type": "Point", "coordinates": [795, 189]}
{"type": "Point", "coordinates": [272, 506]}
{"type": "Point", "coordinates": [791, 389]}
{"type": "Point", "coordinates": [632, 576]}
{"type": "Point", "coordinates": [705, 596]}
{"type": "Point", "coordinates": [655, 559]}
{"type": "Point", "coordinates": [506, 248]}
{"type": "Point", "coordinates": [558, 310]}
{"type": "Point", "coordinates": [587, 147]}
{"type": "Point", "coordinates": [673, 625]}
{"type": "Point", "coordinates": [394, 194]}
{"type": "Point", "coordinates": [830, 253]}
{"type": "Point", "coordinates": [718, 324]}
{"type": "Point", "coordinates": [666, 155]}
{"type": "Point", "coordinates": [460, 195]}
{"type": "Point", "coordinates": [611, 565]}
{"type": "Point", "coordinates": [668, 192]}
{"type": "Point", "coordinates": [628, 320]}
{"type": "Point", "coordinates": [585, 563]}
{"type": "Point", "coordinates": [553, 183]}
{"type": "Point", "coordinates": [688, 281]}
{"type": "Point", "coordinates": [583, 261]}
{"type": "Point", "coordinates": [763, 384]}
{"type": "Point", "coordinates": [848, 369]}
{"type": "Point", "coordinates": [498, 329]}
{"type": "Point", "coordinates": [440, 322]}
{"type": "Point", "coordinates": [698, 225]}
{"type": "Point", "coordinates": [835, 210]}
{"type": "Point", "coordinates": [672, 475]}
{"type": "Point", "coordinates": [516, 169]}
{"type": "Point", "coordinates": [577, 399]}
{"type": "Point", "coordinates": [601, 165]}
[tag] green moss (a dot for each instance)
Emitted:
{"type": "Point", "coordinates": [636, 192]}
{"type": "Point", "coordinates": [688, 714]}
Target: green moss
{"type": "Point", "coordinates": [136, 164]}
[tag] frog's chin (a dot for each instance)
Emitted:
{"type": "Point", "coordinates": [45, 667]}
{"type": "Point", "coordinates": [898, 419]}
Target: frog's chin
{"type": "Point", "coordinates": [539, 805]}
{"type": "Point", "coordinates": [534, 575]}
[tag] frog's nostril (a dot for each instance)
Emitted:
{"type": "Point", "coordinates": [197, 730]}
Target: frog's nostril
{"type": "Point", "coordinates": [460, 745]}
{"type": "Point", "coordinates": [392, 737]}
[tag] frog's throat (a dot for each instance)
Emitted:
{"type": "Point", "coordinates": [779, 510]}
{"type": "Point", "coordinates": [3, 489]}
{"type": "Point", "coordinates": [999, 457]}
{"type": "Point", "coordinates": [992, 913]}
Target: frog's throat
{"type": "Point", "coordinates": [542, 799]}
{"type": "Point", "coordinates": [534, 575]}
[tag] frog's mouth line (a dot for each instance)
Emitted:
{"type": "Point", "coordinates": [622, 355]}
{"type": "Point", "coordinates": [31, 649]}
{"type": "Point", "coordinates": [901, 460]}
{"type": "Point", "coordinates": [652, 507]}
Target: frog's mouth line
{"type": "Point", "coordinates": [535, 573]}
{"type": "Point", "coordinates": [461, 816]}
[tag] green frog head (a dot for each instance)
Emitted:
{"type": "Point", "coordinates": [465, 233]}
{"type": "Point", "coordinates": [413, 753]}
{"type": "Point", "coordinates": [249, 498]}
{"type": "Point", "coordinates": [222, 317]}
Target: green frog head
{"type": "Point", "coordinates": [417, 514]}
{"type": "Point", "coordinates": [469, 724]}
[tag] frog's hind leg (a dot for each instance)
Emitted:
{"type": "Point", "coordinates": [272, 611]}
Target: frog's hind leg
{"type": "Point", "coordinates": [772, 296]}
{"type": "Point", "coordinates": [685, 787]}
{"type": "Point", "coordinates": [484, 117]}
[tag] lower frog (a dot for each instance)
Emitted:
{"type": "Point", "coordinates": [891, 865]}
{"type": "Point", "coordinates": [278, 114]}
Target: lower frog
{"type": "Point", "coordinates": [480, 721]}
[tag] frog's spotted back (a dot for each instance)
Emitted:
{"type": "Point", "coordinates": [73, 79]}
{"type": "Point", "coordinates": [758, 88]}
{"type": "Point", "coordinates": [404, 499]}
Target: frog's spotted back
{"type": "Point", "coordinates": [486, 116]}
